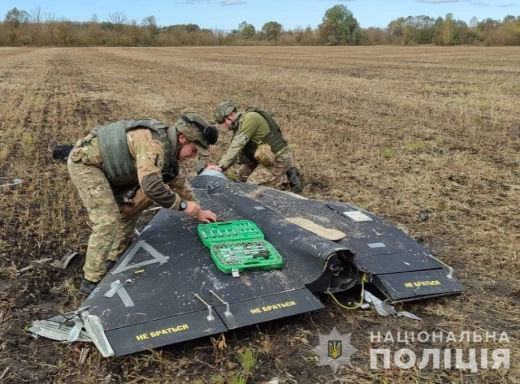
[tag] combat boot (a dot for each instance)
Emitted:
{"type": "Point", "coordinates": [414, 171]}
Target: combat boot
{"type": "Point", "coordinates": [61, 152]}
{"type": "Point", "coordinates": [293, 175]}
{"type": "Point", "coordinates": [110, 264]}
{"type": "Point", "coordinates": [86, 287]}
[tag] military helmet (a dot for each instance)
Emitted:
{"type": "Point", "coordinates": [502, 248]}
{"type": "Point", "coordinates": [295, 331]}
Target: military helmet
{"type": "Point", "coordinates": [224, 109]}
{"type": "Point", "coordinates": [197, 130]}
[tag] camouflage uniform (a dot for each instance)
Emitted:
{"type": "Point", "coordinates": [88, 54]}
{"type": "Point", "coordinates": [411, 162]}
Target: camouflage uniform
{"type": "Point", "coordinates": [252, 126]}
{"type": "Point", "coordinates": [113, 223]}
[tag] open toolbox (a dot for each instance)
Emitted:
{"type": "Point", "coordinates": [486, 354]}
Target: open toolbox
{"type": "Point", "coordinates": [238, 245]}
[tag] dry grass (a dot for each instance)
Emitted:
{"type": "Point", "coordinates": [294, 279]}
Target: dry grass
{"type": "Point", "coordinates": [397, 131]}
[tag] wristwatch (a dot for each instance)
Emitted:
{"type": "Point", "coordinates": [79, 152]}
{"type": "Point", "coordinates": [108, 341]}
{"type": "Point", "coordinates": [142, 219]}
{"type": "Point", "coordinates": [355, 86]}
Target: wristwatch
{"type": "Point", "coordinates": [183, 205]}
{"type": "Point", "coordinates": [222, 167]}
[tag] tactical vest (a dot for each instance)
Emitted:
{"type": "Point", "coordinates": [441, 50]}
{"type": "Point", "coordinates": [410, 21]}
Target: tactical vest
{"type": "Point", "coordinates": [117, 162]}
{"type": "Point", "coordinates": [274, 138]}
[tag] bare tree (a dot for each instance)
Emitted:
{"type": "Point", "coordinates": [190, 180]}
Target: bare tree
{"type": "Point", "coordinates": [117, 18]}
{"type": "Point", "coordinates": [36, 15]}
{"type": "Point", "coordinates": [50, 17]}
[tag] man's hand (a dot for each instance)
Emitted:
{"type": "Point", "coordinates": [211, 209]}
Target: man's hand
{"type": "Point", "coordinates": [206, 216]}
{"type": "Point", "coordinates": [193, 209]}
{"type": "Point", "coordinates": [213, 167]}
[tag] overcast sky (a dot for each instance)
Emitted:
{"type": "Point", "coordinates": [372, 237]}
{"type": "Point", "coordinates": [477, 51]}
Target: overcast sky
{"type": "Point", "coordinates": [227, 14]}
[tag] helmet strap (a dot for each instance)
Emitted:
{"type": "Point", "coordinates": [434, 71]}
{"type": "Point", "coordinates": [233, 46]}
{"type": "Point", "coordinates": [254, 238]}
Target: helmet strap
{"type": "Point", "coordinates": [173, 138]}
{"type": "Point", "coordinates": [235, 123]}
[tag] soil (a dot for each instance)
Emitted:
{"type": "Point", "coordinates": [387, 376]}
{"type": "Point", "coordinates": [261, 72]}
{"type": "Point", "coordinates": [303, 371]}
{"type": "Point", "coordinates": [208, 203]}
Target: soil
{"type": "Point", "coordinates": [426, 138]}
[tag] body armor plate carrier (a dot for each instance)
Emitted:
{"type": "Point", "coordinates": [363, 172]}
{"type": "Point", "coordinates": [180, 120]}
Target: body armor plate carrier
{"type": "Point", "coordinates": [274, 138]}
{"type": "Point", "coordinates": [117, 162]}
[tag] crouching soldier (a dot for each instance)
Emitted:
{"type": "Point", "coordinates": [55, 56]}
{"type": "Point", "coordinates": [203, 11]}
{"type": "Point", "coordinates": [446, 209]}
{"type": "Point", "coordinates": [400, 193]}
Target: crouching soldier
{"type": "Point", "coordinates": [121, 169]}
{"type": "Point", "coordinates": [259, 146]}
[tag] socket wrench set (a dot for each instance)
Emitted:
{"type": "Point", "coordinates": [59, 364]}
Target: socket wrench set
{"type": "Point", "coordinates": [238, 245]}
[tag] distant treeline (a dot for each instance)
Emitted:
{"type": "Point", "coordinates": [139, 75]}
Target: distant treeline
{"type": "Point", "coordinates": [338, 27]}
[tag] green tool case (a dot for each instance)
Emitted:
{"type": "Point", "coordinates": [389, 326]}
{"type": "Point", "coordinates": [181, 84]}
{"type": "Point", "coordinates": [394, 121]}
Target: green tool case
{"type": "Point", "coordinates": [239, 245]}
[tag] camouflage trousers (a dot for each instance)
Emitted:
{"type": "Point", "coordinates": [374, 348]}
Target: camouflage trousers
{"type": "Point", "coordinates": [274, 176]}
{"type": "Point", "coordinates": [112, 227]}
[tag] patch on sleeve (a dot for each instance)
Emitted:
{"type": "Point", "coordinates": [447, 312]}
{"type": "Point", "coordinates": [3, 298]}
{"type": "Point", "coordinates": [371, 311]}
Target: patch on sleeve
{"type": "Point", "coordinates": [242, 138]}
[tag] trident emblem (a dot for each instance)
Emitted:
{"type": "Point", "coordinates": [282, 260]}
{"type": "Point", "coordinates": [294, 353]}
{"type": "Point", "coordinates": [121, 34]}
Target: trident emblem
{"type": "Point", "coordinates": [335, 349]}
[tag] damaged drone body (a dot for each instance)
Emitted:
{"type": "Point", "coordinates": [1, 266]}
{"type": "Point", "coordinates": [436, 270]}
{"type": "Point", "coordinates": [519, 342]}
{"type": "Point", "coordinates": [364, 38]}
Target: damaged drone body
{"type": "Point", "coordinates": [166, 288]}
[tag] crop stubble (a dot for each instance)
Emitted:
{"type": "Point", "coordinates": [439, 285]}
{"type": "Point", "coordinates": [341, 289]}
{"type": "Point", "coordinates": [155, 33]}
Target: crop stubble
{"type": "Point", "coordinates": [397, 131]}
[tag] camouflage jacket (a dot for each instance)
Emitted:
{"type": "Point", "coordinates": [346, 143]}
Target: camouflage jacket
{"type": "Point", "coordinates": [148, 157]}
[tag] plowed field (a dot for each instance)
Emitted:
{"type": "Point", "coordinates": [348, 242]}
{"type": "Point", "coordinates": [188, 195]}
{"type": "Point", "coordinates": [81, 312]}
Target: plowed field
{"type": "Point", "coordinates": [426, 137]}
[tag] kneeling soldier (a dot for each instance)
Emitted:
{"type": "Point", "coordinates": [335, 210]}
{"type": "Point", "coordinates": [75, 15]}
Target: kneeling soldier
{"type": "Point", "coordinates": [259, 146]}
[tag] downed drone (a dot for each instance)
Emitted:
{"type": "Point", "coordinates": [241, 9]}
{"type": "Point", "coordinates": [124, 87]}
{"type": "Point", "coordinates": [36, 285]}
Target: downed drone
{"type": "Point", "coordinates": [167, 289]}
